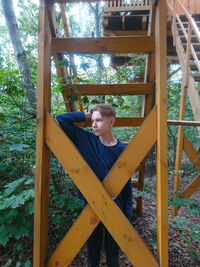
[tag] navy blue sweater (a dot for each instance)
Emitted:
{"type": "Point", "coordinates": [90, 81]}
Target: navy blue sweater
{"type": "Point", "coordinates": [99, 157]}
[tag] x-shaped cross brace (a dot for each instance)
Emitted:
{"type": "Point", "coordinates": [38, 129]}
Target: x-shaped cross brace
{"type": "Point", "coordinates": [101, 206]}
{"type": "Point", "coordinates": [195, 158]}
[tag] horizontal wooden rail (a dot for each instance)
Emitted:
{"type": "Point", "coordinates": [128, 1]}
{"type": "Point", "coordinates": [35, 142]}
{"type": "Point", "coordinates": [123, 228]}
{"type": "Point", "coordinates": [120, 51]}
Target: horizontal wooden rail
{"type": "Point", "coordinates": [137, 121]}
{"type": "Point", "coordinates": [184, 123]}
{"type": "Point", "coordinates": [119, 122]}
{"type": "Point", "coordinates": [137, 3]}
{"type": "Point", "coordinates": [72, 1]}
{"type": "Point", "coordinates": [124, 33]}
{"type": "Point", "coordinates": [109, 89]}
{"type": "Point", "coordinates": [104, 45]}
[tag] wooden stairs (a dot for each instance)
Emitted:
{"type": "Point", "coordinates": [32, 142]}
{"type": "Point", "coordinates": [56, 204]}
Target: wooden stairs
{"type": "Point", "coordinates": [194, 63]}
{"type": "Point", "coordinates": [186, 40]}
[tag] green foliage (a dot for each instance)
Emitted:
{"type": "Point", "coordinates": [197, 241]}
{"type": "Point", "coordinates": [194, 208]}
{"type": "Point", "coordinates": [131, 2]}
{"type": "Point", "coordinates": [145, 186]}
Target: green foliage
{"type": "Point", "coordinates": [189, 231]}
{"type": "Point", "coordinates": [16, 206]}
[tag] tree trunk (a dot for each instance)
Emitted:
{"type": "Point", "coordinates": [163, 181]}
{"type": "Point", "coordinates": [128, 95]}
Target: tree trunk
{"type": "Point", "coordinates": [20, 54]}
{"type": "Point", "coordinates": [97, 12]}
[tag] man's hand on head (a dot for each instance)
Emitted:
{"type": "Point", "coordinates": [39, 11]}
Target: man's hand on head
{"type": "Point", "coordinates": [87, 116]}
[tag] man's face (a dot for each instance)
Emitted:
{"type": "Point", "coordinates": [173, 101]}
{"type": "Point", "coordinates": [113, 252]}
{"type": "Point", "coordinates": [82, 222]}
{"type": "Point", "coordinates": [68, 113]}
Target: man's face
{"type": "Point", "coordinates": [101, 125]}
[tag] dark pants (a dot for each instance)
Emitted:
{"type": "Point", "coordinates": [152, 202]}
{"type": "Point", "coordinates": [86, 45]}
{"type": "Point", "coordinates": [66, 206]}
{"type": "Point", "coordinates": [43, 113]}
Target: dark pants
{"type": "Point", "coordinates": [94, 244]}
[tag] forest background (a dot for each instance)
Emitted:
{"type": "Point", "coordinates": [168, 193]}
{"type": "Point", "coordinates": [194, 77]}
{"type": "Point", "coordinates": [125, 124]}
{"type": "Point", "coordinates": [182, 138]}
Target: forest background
{"type": "Point", "coordinates": [18, 81]}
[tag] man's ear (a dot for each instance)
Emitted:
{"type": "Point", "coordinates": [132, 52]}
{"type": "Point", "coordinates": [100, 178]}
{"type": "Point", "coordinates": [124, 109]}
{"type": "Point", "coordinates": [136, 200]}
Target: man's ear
{"type": "Point", "coordinates": [112, 121]}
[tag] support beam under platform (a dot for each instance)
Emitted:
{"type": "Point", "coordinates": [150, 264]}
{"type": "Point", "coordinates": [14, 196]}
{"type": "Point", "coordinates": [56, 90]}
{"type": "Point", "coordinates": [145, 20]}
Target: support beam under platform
{"type": "Point", "coordinates": [104, 45]}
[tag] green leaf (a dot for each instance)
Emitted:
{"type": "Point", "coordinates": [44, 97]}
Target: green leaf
{"type": "Point", "coordinates": [8, 263]}
{"type": "Point", "coordinates": [18, 264]}
{"type": "Point", "coordinates": [14, 202]}
{"type": "Point", "coordinates": [17, 246]}
{"type": "Point", "coordinates": [18, 147]}
{"type": "Point", "coordinates": [8, 216]}
{"type": "Point", "coordinates": [5, 235]}
{"type": "Point", "coordinates": [186, 240]}
{"type": "Point", "coordinates": [13, 185]}
{"type": "Point", "coordinates": [27, 263]}
{"type": "Point", "coordinates": [194, 255]}
{"type": "Point", "coordinates": [21, 231]}
{"type": "Point", "coordinates": [56, 219]}
{"type": "Point", "coordinates": [154, 243]}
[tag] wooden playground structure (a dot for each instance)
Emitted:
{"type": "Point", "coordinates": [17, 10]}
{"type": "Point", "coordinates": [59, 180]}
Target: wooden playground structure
{"type": "Point", "coordinates": [166, 32]}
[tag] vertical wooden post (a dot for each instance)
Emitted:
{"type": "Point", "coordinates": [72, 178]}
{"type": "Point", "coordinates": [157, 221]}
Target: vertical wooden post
{"type": "Point", "coordinates": [161, 102]}
{"type": "Point", "coordinates": [174, 23]}
{"type": "Point", "coordinates": [179, 148]}
{"type": "Point", "coordinates": [42, 151]}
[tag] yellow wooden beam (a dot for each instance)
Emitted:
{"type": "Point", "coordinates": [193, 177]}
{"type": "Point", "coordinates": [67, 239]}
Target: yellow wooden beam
{"type": "Point", "coordinates": [191, 152]}
{"type": "Point", "coordinates": [191, 188]}
{"type": "Point", "coordinates": [42, 151]}
{"type": "Point", "coordinates": [161, 101]}
{"type": "Point", "coordinates": [131, 158]}
{"type": "Point", "coordinates": [119, 122]}
{"type": "Point", "coordinates": [104, 45]}
{"type": "Point", "coordinates": [109, 89]}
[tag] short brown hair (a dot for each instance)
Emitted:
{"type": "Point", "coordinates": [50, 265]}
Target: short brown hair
{"type": "Point", "coordinates": [104, 109]}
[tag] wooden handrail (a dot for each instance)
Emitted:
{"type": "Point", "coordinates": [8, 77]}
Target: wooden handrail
{"type": "Point", "coordinates": [191, 20]}
{"type": "Point", "coordinates": [126, 5]}
{"type": "Point", "coordinates": [193, 26]}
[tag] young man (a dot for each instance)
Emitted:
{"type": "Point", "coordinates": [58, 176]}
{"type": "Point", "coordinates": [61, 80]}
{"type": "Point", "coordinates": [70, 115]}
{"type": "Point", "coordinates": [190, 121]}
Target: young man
{"type": "Point", "coordinates": [100, 150]}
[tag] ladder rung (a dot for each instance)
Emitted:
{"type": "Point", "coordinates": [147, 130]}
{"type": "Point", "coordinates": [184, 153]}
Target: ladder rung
{"type": "Point", "coordinates": [104, 45]}
{"type": "Point", "coordinates": [196, 76]}
{"type": "Point", "coordinates": [137, 184]}
{"type": "Point", "coordinates": [109, 89]}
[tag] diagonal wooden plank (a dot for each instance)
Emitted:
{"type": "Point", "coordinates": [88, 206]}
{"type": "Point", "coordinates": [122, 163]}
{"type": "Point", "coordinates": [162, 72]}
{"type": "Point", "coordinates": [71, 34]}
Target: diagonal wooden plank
{"type": "Point", "coordinates": [191, 152]}
{"type": "Point", "coordinates": [104, 45]}
{"type": "Point", "coordinates": [146, 130]}
{"type": "Point", "coordinates": [191, 188]}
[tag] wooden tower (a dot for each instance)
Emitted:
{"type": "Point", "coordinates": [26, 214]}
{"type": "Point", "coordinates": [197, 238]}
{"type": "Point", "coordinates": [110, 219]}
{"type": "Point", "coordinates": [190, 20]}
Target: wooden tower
{"type": "Point", "coordinates": [151, 39]}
